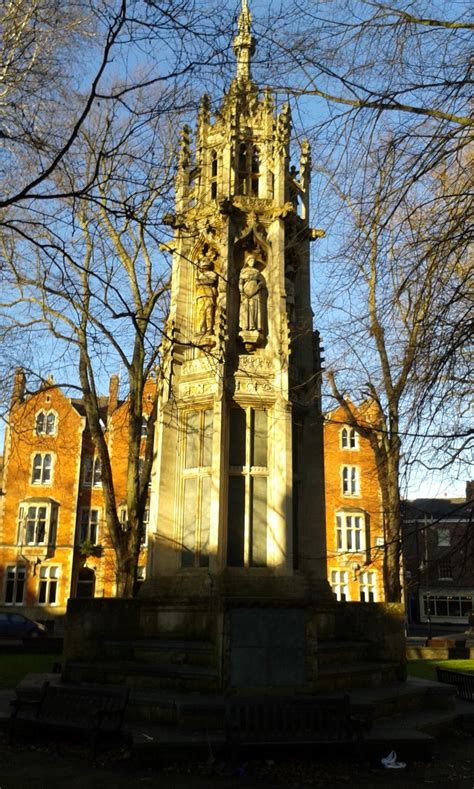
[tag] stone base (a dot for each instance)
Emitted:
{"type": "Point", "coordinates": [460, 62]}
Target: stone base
{"type": "Point", "coordinates": [238, 583]}
{"type": "Point", "coordinates": [266, 644]}
{"type": "Point", "coordinates": [203, 340]}
{"type": "Point", "coordinates": [251, 339]}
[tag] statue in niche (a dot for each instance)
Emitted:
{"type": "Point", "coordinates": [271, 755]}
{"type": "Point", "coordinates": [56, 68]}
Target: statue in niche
{"type": "Point", "coordinates": [252, 291]}
{"type": "Point", "coordinates": [206, 295]}
{"type": "Point", "coordinates": [252, 288]}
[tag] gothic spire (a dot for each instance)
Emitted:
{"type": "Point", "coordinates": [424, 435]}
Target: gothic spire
{"type": "Point", "coordinates": [244, 44]}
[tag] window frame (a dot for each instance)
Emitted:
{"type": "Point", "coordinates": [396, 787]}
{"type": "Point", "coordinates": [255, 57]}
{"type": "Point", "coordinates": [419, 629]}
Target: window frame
{"type": "Point", "coordinates": [248, 169]}
{"type": "Point", "coordinates": [350, 480]}
{"type": "Point", "coordinates": [46, 429]}
{"type": "Point", "coordinates": [91, 472]}
{"type": "Point", "coordinates": [84, 583]}
{"type": "Point", "coordinates": [45, 468]}
{"type": "Point", "coordinates": [49, 577]}
{"type": "Point", "coordinates": [429, 601]}
{"type": "Point", "coordinates": [197, 446]}
{"type": "Point", "coordinates": [339, 583]}
{"type": "Point", "coordinates": [445, 569]}
{"type": "Point", "coordinates": [49, 521]}
{"type": "Point", "coordinates": [345, 530]}
{"type": "Point", "coordinates": [368, 586]}
{"type": "Point", "coordinates": [349, 438]}
{"type": "Point", "coordinates": [252, 474]}
{"type": "Point", "coordinates": [82, 527]}
{"type": "Point", "coordinates": [14, 584]}
{"type": "Point", "coordinates": [213, 174]}
{"type": "Point", "coordinates": [443, 536]}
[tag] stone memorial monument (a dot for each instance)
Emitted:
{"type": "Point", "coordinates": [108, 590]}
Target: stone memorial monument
{"type": "Point", "coordinates": [237, 551]}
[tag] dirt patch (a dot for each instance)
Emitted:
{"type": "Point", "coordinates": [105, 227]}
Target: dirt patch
{"type": "Point", "coordinates": [60, 765]}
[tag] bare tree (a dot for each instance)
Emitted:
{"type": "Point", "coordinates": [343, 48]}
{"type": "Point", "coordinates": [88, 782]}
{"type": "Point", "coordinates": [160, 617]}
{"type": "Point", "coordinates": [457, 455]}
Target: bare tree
{"type": "Point", "coordinates": [86, 93]}
{"type": "Point", "coordinates": [60, 62]}
{"type": "Point", "coordinates": [96, 283]}
{"type": "Point", "coordinates": [401, 297]}
{"type": "Point", "coordinates": [391, 135]}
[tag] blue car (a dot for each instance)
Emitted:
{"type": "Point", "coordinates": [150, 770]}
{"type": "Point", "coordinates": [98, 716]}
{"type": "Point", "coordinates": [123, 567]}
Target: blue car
{"type": "Point", "coordinates": [13, 625]}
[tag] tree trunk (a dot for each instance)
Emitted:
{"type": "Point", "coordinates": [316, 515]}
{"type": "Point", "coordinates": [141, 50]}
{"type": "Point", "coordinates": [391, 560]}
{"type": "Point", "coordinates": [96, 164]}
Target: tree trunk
{"type": "Point", "coordinates": [392, 528]}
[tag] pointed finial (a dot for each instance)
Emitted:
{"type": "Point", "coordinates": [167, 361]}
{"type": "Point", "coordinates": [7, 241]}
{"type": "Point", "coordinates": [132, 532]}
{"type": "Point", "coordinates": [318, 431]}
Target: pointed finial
{"type": "Point", "coordinates": [244, 44]}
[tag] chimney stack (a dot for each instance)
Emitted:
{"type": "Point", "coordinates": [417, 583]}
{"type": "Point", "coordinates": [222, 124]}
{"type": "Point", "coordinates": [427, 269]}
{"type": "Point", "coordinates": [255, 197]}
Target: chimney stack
{"type": "Point", "coordinates": [19, 381]}
{"type": "Point", "coordinates": [113, 395]}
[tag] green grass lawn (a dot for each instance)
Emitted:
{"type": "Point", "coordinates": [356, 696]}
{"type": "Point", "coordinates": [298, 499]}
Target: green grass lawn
{"type": "Point", "coordinates": [14, 667]}
{"type": "Point", "coordinates": [426, 669]}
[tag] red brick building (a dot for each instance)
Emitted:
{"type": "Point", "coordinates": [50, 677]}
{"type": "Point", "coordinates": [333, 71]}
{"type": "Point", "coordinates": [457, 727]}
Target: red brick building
{"type": "Point", "coordinates": [354, 517]}
{"type": "Point", "coordinates": [53, 537]}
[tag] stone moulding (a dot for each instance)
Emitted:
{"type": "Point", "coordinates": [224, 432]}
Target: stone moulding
{"type": "Point", "coordinates": [207, 364]}
{"type": "Point", "coordinates": [256, 364]}
{"type": "Point", "coordinates": [198, 389]}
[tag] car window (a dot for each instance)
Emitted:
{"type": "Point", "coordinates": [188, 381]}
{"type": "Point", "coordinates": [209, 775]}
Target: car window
{"type": "Point", "coordinates": [17, 618]}
{"type": "Point", "coordinates": [3, 618]}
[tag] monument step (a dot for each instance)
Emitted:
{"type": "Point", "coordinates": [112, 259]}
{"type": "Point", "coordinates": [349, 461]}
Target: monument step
{"type": "Point", "coordinates": [200, 653]}
{"type": "Point", "coordinates": [173, 676]}
{"type": "Point", "coordinates": [330, 653]}
{"type": "Point", "coordinates": [356, 675]}
{"type": "Point", "coordinates": [412, 736]}
{"type": "Point", "coordinates": [409, 697]}
{"type": "Point", "coordinates": [189, 710]}
{"type": "Point", "coordinates": [371, 704]}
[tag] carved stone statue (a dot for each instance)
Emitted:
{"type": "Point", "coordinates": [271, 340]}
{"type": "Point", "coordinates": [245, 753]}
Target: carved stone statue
{"type": "Point", "coordinates": [206, 294]}
{"type": "Point", "coordinates": [252, 293]}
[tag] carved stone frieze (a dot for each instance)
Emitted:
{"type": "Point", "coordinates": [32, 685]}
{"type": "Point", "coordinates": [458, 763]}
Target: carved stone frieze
{"type": "Point", "coordinates": [197, 389]}
{"type": "Point", "coordinates": [253, 204]}
{"type": "Point", "coordinates": [202, 366]}
{"type": "Point", "coordinates": [260, 365]}
{"type": "Point", "coordinates": [256, 387]}
{"type": "Point", "coordinates": [246, 386]}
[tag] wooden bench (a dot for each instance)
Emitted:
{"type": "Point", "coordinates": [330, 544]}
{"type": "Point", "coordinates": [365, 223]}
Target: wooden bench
{"type": "Point", "coordinates": [464, 682]}
{"type": "Point", "coordinates": [96, 712]}
{"type": "Point", "coordinates": [289, 722]}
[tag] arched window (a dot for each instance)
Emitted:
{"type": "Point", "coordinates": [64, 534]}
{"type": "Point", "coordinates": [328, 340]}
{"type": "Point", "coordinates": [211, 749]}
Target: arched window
{"type": "Point", "coordinates": [242, 171]}
{"type": "Point", "coordinates": [255, 171]}
{"type": "Point", "coordinates": [97, 475]}
{"type": "Point", "coordinates": [348, 438]}
{"type": "Point", "coordinates": [350, 481]}
{"type": "Point", "coordinates": [248, 170]}
{"type": "Point", "coordinates": [92, 472]}
{"type": "Point", "coordinates": [45, 423]}
{"type": "Point", "coordinates": [50, 423]}
{"type": "Point", "coordinates": [214, 171]}
{"type": "Point", "coordinates": [40, 423]}
{"type": "Point", "coordinates": [41, 472]}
